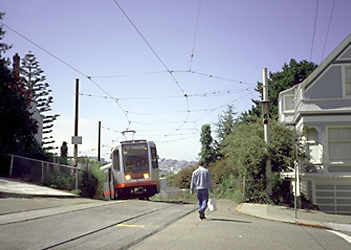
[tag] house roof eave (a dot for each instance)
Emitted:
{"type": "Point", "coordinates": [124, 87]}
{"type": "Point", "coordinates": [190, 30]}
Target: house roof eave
{"type": "Point", "coordinates": [326, 62]}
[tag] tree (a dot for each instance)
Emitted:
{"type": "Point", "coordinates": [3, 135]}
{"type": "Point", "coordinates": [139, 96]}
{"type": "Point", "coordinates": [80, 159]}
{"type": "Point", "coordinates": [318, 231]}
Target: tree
{"type": "Point", "coordinates": [17, 128]}
{"type": "Point", "coordinates": [291, 74]}
{"type": "Point", "coordinates": [246, 148]}
{"type": "Point", "coordinates": [225, 123]}
{"type": "Point", "coordinates": [207, 153]}
{"type": "Point", "coordinates": [35, 82]}
{"type": "Point", "coordinates": [3, 46]}
{"type": "Point", "coordinates": [64, 153]}
{"type": "Point", "coordinates": [224, 127]}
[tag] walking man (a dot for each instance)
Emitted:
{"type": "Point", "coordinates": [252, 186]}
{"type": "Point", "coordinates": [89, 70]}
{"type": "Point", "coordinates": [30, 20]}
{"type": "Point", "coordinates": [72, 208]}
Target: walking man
{"type": "Point", "coordinates": [201, 181]}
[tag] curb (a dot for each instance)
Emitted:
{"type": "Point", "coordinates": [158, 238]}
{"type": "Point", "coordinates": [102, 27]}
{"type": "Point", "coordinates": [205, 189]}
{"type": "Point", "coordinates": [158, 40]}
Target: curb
{"type": "Point", "coordinates": [292, 221]}
{"type": "Point", "coordinates": [23, 195]}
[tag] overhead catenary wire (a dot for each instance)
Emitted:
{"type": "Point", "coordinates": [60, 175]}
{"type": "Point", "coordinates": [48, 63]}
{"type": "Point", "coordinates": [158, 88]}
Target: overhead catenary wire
{"type": "Point", "coordinates": [218, 77]}
{"type": "Point", "coordinates": [328, 28]}
{"type": "Point", "coordinates": [210, 93]}
{"type": "Point", "coordinates": [45, 50]}
{"type": "Point", "coordinates": [133, 74]}
{"type": "Point", "coordinates": [209, 75]}
{"type": "Point", "coordinates": [125, 112]}
{"type": "Point", "coordinates": [150, 47]}
{"type": "Point", "coordinates": [314, 27]}
{"type": "Point", "coordinates": [68, 65]}
{"type": "Point", "coordinates": [155, 54]}
{"type": "Point", "coordinates": [174, 140]}
{"type": "Point", "coordinates": [195, 34]}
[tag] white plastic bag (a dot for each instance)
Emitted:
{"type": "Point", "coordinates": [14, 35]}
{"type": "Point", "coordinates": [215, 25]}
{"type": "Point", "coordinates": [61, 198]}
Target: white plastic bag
{"type": "Point", "coordinates": [211, 204]}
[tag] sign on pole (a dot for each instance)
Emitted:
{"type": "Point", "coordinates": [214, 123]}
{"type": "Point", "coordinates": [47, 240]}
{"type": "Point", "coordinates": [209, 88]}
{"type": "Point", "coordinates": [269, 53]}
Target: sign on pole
{"type": "Point", "coordinates": [76, 140]}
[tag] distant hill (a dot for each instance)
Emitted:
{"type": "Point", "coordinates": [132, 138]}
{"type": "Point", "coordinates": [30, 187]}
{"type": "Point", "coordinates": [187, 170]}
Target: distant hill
{"type": "Point", "coordinates": [174, 166]}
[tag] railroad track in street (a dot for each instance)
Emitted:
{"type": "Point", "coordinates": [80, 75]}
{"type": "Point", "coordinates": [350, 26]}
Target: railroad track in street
{"type": "Point", "coordinates": [116, 226]}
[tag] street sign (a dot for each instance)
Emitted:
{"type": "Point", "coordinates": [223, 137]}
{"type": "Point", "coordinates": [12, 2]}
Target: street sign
{"type": "Point", "coordinates": [76, 140]}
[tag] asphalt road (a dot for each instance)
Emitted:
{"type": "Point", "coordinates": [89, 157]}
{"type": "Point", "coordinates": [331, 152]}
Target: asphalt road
{"type": "Point", "coordinates": [108, 226]}
{"type": "Point", "coordinates": [134, 224]}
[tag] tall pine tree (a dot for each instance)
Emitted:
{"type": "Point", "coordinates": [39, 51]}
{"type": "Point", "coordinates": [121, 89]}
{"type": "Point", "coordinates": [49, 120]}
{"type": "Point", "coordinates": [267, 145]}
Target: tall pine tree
{"type": "Point", "coordinates": [35, 81]}
{"type": "Point", "coordinates": [17, 127]}
{"type": "Point", "coordinates": [291, 74]}
{"type": "Point", "coordinates": [207, 153]}
{"type": "Point", "coordinates": [225, 123]}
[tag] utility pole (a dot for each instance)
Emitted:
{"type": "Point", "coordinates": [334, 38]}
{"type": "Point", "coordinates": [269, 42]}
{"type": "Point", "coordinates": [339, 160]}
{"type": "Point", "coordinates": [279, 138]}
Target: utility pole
{"type": "Point", "coordinates": [99, 141]}
{"type": "Point", "coordinates": [265, 111]}
{"type": "Point", "coordinates": [76, 132]}
{"type": "Point", "coordinates": [296, 180]}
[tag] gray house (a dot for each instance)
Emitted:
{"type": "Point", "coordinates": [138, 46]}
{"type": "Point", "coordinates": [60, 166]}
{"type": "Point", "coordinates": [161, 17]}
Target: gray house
{"type": "Point", "coordinates": [320, 109]}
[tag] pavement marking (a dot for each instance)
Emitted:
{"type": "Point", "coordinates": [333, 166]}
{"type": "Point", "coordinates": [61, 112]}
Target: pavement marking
{"type": "Point", "coordinates": [344, 236]}
{"type": "Point", "coordinates": [128, 225]}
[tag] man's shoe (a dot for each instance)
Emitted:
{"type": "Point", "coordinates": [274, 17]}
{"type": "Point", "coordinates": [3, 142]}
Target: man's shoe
{"type": "Point", "coordinates": [202, 215]}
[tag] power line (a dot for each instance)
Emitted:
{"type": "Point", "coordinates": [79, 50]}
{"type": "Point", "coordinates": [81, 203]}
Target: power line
{"type": "Point", "coordinates": [211, 93]}
{"type": "Point", "coordinates": [219, 77]}
{"type": "Point", "coordinates": [195, 33]}
{"type": "Point", "coordinates": [45, 50]}
{"type": "Point", "coordinates": [329, 22]}
{"type": "Point", "coordinates": [174, 140]}
{"type": "Point", "coordinates": [127, 75]}
{"type": "Point", "coordinates": [150, 47]}
{"type": "Point", "coordinates": [68, 65]}
{"type": "Point", "coordinates": [209, 75]}
{"type": "Point", "coordinates": [137, 73]}
{"type": "Point", "coordinates": [314, 27]}
{"type": "Point", "coordinates": [155, 54]}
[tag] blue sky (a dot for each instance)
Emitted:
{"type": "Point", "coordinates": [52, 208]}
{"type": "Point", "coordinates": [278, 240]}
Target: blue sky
{"type": "Point", "coordinates": [229, 39]}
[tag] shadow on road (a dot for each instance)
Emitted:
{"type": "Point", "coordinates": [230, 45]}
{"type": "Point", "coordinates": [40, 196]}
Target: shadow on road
{"type": "Point", "coordinates": [228, 220]}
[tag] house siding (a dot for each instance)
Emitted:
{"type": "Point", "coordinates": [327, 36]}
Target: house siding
{"type": "Point", "coordinates": [329, 85]}
{"type": "Point", "coordinates": [320, 108]}
{"type": "Point", "coordinates": [341, 104]}
{"type": "Point", "coordinates": [347, 54]}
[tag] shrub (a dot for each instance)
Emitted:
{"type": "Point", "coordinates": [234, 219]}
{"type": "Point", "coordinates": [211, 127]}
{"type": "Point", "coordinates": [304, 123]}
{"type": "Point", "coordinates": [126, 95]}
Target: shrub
{"type": "Point", "coordinates": [59, 177]}
{"type": "Point", "coordinates": [246, 148]}
{"type": "Point", "coordinates": [5, 161]}
{"type": "Point", "coordinates": [183, 178]}
{"type": "Point", "coordinates": [64, 182]}
{"type": "Point", "coordinates": [92, 181]}
{"type": "Point", "coordinates": [221, 170]}
{"type": "Point", "coordinates": [170, 179]}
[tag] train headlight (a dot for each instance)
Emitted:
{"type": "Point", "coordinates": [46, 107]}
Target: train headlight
{"type": "Point", "coordinates": [146, 175]}
{"type": "Point", "coordinates": [128, 177]}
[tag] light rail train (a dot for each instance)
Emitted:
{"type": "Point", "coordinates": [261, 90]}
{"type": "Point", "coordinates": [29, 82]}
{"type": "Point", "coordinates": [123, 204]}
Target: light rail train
{"type": "Point", "coordinates": [133, 172]}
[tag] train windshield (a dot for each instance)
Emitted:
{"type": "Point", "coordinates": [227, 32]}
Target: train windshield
{"type": "Point", "coordinates": [135, 158]}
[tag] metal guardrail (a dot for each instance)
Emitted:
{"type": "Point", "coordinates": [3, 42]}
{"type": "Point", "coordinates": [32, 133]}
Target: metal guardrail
{"type": "Point", "coordinates": [40, 172]}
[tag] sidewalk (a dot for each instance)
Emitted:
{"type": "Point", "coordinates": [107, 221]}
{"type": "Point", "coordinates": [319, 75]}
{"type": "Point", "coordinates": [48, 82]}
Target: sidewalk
{"type": "Point", "coordinates": [16, 188]}
{"type": "Point", "coordinates": [304, 217]}
{"type": "Point", "coordinates": [228, 226]}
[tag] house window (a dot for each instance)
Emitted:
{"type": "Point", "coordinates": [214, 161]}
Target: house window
{"type": "Point", "coordinates": [339, 144]}
{"type": "Point", "coordinates": [289, 103]}
{"type": "Point", "coordinates": [347, 80]}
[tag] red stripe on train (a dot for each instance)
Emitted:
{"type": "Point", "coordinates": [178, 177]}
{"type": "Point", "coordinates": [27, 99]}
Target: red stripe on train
{"type": "Point", "coordinates": [136, 184]}
{"type": "Point", "coordinates": [107, 192]}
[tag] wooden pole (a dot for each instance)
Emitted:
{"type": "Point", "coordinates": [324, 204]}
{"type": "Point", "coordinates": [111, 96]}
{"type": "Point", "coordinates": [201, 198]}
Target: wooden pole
{"type": "Point", "coordinates": [265, 104]}
{"type": "Point", "coordinates": [99, 141]}
{"type": "Point", "coordinates": [76, 132]}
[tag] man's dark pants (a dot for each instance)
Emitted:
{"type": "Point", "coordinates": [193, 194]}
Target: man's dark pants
{"type": "Point", "coordinates": [202, 197]}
